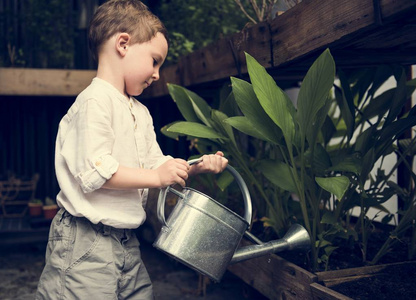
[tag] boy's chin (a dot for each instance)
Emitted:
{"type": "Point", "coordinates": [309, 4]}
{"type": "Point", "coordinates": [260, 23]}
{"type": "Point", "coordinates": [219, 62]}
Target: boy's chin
{"type": "Point", "coordinates": [135, 93]}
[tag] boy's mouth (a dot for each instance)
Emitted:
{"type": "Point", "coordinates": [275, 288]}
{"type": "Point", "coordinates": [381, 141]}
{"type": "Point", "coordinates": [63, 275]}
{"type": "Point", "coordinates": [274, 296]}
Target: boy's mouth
{"type": "Point", "coordinates": [147, 83]}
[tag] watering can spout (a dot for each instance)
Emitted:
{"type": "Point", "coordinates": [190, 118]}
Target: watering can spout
{"type": "Point", "coordinates": [296, 238]}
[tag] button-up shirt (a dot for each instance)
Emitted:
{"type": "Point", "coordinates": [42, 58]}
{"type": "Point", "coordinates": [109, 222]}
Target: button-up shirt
{"type": "Point", "coordinates": [102, 130]}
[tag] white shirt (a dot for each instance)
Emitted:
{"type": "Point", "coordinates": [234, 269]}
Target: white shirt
{"type": "Point", "coordinates": [102, 130]}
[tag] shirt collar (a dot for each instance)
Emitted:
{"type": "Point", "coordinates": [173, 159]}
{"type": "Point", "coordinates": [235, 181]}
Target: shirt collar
{"type": "Point", "coordinates": [112, 89]}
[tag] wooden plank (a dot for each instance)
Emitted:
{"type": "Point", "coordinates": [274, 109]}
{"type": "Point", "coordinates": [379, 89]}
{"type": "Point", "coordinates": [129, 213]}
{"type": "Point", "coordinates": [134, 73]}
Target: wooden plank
{"type": "Point", "coordinates": [226, 57]}
{"type": "Point", "coordinates": [331, 278]}
{"type": "Point", "coordinates": [358, 32]}
{"type": "Point", "coordinates": [310, 27]}
{"type": "Point", "coordinates": [43, 82]}
{"type": "Point", "coordinates": [275, 277]}
{"type": "Point", "coordinates": [321, 292]}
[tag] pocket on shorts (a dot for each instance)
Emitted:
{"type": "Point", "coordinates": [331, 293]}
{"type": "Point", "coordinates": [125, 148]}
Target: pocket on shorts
{"type": "Point", "coordinates": [85, 240]}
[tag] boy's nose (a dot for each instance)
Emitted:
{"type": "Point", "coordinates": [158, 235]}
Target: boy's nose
{"type": "Point", "coordinates": [156, 76]}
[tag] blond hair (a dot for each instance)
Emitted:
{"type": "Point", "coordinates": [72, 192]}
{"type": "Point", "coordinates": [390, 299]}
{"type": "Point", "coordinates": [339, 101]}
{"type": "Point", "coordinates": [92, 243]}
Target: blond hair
{"type": "Point", "coordinates": [117, 16]}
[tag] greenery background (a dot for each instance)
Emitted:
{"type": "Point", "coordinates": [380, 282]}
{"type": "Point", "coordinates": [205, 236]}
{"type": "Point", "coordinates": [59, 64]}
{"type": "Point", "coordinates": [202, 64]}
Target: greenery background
{"type": "Point", "coordinates": [53, 33]}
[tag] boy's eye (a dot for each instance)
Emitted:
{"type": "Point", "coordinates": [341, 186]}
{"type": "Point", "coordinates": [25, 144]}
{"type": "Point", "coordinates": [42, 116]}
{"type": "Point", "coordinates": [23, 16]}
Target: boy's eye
{"type": "Point", "coordinates": [155, 62]}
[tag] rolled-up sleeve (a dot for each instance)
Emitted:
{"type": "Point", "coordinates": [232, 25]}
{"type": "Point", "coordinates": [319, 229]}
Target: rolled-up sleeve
{"type": "Point", "coordinates": [102, 169]}
{"type": "Point", "coordinates": [88, 144]}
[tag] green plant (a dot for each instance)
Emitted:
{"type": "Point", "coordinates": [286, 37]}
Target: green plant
{"type": "Point", "coordinates": [266, 10]}
{"type": "Point", "coordinates": [36, 201]}
{"type": "Point", "coordinates": [312, 162]}
{"type": "Point", "coordinates": [179, 46]}
{"type": "Point", "coordinates": [37, 33]}
{"type": "Point", "coordinates": [200, 22]}
{"type": "Point", "coordinates": [49, 201]}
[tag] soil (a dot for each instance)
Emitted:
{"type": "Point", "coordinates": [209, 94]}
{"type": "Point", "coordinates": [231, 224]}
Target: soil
{"type": "Point", "coordinates": [398, 282]}
{"type": "Point", "coordinates": [393, 282]}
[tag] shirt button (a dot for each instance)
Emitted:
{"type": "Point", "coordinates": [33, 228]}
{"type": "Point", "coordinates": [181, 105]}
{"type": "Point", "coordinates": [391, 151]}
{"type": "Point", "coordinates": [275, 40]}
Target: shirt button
{"type": "Point", "coordinates": [98, 163]}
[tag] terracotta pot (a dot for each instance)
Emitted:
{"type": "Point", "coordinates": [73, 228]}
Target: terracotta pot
{"type": "Point", "coordinates": [35, 209]}
{"type": "Point", "coordinates": [49, 211]}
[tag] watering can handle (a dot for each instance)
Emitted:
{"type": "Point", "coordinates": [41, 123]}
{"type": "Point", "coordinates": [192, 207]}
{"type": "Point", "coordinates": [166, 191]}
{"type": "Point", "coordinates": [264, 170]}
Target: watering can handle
{"type": "Point", "coordinates": [246, 195]}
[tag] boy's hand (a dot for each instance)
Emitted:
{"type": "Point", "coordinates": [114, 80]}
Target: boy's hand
{"type": "Point", "coordinates": [212, 163]}
{"type": "Point", "coordinates": [173, 171]}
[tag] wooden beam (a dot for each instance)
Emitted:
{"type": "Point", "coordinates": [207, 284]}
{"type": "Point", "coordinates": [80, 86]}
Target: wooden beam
{"type": "Point", "coordinates": [310, 27]}
{"type": "Point", "coordinates": [43, 82]}
{"type": "Point", "coordinates": [358, 32]}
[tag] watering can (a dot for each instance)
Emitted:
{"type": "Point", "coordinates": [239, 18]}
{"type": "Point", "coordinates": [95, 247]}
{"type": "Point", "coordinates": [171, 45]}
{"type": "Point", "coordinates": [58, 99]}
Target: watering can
{"type": "Point", "coordinates": [204, 234]}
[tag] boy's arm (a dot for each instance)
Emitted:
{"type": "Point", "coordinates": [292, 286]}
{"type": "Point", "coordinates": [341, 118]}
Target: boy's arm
{"type": "Point", "coordinates": [171, 172]}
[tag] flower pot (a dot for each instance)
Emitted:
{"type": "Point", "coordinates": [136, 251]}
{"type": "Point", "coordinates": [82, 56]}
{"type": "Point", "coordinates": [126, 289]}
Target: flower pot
{"type": "Point", "coordinates": [35, 209]}
{"type": "Point", "coordinates": [49, 211]}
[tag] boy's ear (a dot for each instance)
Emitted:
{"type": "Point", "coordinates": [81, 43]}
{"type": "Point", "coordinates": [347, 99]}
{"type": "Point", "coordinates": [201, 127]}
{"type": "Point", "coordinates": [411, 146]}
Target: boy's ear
{"type": "Point", "coordinates": [122, 43]}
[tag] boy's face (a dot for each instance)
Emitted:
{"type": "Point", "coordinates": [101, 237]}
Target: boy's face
{"type": "Point", "coordinates": [142, 62]}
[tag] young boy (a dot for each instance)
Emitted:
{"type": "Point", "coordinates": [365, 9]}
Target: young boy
{"type": "Point", "coordinates": [106, 159]}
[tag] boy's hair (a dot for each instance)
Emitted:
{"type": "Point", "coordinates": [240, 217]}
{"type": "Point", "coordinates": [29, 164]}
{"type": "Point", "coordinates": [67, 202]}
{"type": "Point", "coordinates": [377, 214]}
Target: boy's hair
{"type": "Point", "coordinates": [116, 16]}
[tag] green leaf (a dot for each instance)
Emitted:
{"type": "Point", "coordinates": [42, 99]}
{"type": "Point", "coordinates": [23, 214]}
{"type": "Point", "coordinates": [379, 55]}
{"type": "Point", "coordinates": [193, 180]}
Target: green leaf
{"type": "Point", "coordinates": [192, 107]}
{"type": "Point", "coordinates": [314, 91]}
{"type": "Point", "coordinates": [274, 101]}
{"type": "Point", "coordinates": [200, 106]}
{"type": "Point", "coordinates": [183, 102]}
{"type": "Point", "coordinates": [250, 106]}
{"type": "Point", "coordinates": [225, 180]}
{"type": "Point", "coordinates": [321, 159]}
{"type": "Point", "coordinates": [399, 98]}
{"type": "Point", "coordinates": [350, 163]}
{"type": "Point", "coordinates": [347, 107]}
{"type": "Point", "coordinates": [195, 129]}
{"type": "Point", "coordinates": [172, 135]}
{"type": "Point", "coordinates": [278, 173]}
{"type": "Point", "coordinates": [244, 125]}
{"type": "Point", "coordinates": [218, 123]}
{"type": "Point", "coordinates": [328, 218]}
{"type": "Point", "coordinates": [335, 185]}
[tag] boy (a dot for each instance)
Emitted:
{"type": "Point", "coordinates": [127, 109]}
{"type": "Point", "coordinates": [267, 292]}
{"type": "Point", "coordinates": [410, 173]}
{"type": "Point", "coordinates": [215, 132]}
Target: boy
{"type": "Point", "coordinates": [106, 159]}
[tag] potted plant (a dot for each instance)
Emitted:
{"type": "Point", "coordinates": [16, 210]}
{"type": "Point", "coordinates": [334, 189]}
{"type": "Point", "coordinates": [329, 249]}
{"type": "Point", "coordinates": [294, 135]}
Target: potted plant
{"type": "Point", "coordinates": [50, 208]}
{"type": "Point", "coordinates": [312, 162]}
{"type": "Point", "coordinates": [35, 207]}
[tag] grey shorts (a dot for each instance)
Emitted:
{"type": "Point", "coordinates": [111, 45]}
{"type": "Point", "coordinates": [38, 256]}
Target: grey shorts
{"type": "Point", "coordinates": [88, 261]}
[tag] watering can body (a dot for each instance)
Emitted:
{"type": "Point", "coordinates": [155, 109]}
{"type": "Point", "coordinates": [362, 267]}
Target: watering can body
{"type": "Point", "coordinates": [204, 234]}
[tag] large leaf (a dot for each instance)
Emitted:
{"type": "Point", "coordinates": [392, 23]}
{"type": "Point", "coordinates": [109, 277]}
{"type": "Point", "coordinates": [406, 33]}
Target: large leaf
{"type": "Point", "coordinates": [244, 125]}
{"type": "Point", "coordinates": [335, 185]}
{"type": "Point", "coordinates": [195, 129]}
{"type": "Point", "coordinates": [274, 101]}
{"type": "Point", "coordinates": [218, 123]}
{"type": "Point", "coordinates": [200, 106]}
{"type": "Point", "coordinates": [314, 91]}
{"type": "Point", "coordinates": [250, 106]}
{"type": "Point", "coordinates": [399, 98]}
{"type": "Point", "coordinates": [278, 173]}
{"type": "Point", "coordinates": [347, 106]}
{"type": "Point", "coordinates": [192, 107]}
{"type": "Point", "coordinates": [183, 102]}
{"type": "Point", "coordinates": [350, 163]}
{"type": "Point", "coordinates": [172, 135]}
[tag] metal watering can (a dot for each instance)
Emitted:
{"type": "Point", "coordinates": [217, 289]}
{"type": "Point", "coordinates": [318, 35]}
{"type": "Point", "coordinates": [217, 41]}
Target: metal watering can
{"type": "Point", "coordinates": [204, 235]}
